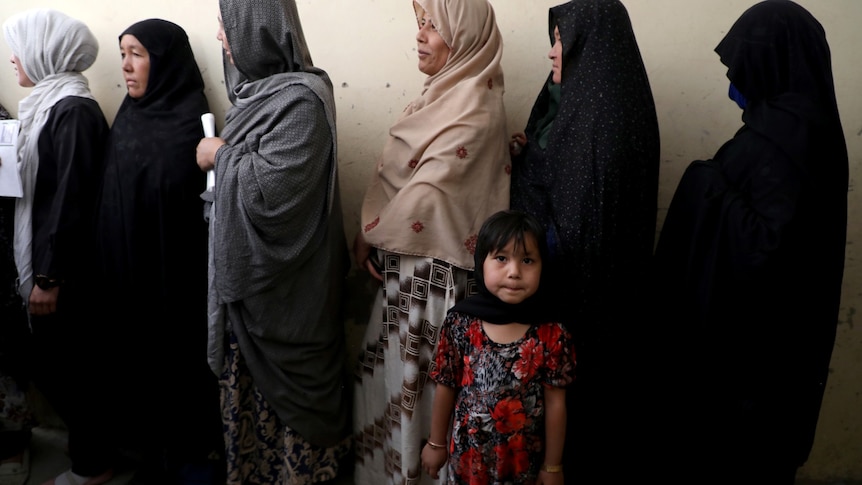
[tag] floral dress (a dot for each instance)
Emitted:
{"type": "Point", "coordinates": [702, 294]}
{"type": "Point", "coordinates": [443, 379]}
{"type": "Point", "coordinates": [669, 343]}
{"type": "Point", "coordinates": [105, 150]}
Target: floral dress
{"type": "Point", "coordinates": [498, 428]}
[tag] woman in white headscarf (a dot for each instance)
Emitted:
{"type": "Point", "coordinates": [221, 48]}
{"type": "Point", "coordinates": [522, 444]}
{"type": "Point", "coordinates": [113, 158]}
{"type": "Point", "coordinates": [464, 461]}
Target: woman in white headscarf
{"type": "Point", "coordinates": [61, 145]}
{"type": "Point", "coordinates": [444, 170]}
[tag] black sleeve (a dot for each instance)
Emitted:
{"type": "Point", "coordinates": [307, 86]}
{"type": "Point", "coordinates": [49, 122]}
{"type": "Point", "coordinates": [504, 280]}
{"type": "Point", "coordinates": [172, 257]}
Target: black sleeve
{"type": "Point", "coordinates": [71, 154]}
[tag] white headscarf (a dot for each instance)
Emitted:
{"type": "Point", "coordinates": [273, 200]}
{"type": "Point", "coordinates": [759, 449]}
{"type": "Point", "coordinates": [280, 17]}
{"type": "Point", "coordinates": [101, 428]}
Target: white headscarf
{"type": "Point", "coordinates": [53, 49]}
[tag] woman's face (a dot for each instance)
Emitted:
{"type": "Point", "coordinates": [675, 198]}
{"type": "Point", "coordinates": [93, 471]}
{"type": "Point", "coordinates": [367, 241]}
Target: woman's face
{"type": "Point", "coordinates": [556, 57]}
{"type": "Point", "coordinates": [23, 80]}
{"type": "Point", "coordinates": [433, 51]}
{"type": "Point", "coordinates": [136, 65]}
{"type": "Point", "coordinates": [223, 38]}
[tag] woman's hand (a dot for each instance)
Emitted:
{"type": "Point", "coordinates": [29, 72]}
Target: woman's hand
{"type": "Point", "coordinates": [361, 252]}
{"type": "Point", "coordinates": [517, 143]}
{"type": "Point", "coordinates": [43, 302]}
{"type": "Point", "coordinates": [206, 150]}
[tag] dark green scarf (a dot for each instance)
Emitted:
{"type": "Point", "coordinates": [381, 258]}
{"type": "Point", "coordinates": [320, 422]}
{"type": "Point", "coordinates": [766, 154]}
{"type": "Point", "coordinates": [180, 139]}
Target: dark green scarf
{"type": "Point", "coordinates": [543, 127]}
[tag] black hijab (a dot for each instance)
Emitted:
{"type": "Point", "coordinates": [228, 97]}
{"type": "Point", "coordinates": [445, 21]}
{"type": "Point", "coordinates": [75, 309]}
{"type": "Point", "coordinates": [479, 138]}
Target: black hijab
{"type": "Point", "coordinates": [777, 56]}
{"type": "Point", "coordinates": [151, 223]}
{"type": "Point", "coordinates": [751, 255]}
{"type": "Point", "coordinates": [536, 309]}
{"type": "Point", "coordinates": [595, 186]}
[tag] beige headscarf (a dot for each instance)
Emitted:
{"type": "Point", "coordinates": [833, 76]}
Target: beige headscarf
{"type": "Point", "coordinates": [53, 49]}
{"type": "Point", "coordinates": [445, 167]}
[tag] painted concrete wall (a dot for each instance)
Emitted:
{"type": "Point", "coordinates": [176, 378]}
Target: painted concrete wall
{"type": "Point", "coordinates": [368, 48]}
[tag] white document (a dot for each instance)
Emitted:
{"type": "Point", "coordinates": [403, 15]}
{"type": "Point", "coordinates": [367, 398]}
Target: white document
{"type": "Point", "coordinates": [10, 179]}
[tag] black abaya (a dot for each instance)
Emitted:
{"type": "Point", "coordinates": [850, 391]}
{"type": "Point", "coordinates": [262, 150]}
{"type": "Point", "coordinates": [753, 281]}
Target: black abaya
{"type": "Point", "coordinates": [751, 257]}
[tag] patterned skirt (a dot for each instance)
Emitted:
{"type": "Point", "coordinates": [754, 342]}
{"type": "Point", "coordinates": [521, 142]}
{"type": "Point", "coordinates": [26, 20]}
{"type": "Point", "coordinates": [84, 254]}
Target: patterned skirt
{"type": "Point", "coordinates": [260, 448]}
{"type": "Point", "coordinates": [393, 395]}
{"type": "Point", "coordinates": [16, 419]}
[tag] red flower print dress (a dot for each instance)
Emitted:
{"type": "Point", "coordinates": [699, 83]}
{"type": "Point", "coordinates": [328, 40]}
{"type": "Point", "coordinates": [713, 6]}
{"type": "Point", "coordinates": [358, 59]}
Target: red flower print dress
{"type": "Point", "coordinates": [498, 428]}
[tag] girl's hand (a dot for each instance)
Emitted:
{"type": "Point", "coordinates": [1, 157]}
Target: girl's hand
{"type": "Point", "coordinates": [547, 478]}
{"type": "Point", "coordinates": [433, 459]}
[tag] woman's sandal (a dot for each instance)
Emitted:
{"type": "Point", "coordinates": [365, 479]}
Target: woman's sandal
{"type": "Point", "coordinates": [69, 478]}
{"type": "Point", "coordinates": [16, 472]}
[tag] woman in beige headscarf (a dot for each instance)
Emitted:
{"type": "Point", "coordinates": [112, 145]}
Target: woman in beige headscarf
{"type": "Point", "coordinates": [444, 170]}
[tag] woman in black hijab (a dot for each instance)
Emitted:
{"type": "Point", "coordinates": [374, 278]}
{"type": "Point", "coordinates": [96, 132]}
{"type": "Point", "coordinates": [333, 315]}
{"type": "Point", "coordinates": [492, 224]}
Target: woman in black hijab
{"type": "Point", "coordinates": [154, 247]}
{"type": "Point", "coordinates": [589, 172]}
{"type": "Point", "coordinates": [751, 257]}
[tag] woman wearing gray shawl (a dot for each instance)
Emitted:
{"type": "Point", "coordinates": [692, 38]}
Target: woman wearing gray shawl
{"type": "Point", "coordinates": [278, 256]}
{"type": "Point", "coordinates": [60, 152]}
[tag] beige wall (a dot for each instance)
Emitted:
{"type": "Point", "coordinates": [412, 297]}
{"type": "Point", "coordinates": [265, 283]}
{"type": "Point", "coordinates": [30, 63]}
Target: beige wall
{"type": "Point", "coordinates": [368, 48]}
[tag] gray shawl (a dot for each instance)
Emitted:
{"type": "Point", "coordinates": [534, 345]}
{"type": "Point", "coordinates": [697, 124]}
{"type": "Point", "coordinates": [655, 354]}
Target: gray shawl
{"type": "Point", "coordinates": [278, 252]}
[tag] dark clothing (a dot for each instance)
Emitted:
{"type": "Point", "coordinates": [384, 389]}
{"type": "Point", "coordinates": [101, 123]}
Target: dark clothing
{"type": "Point", "coordinates": [70, 368]}
{"type": "Point", "coordinates": [153, 247]}
{"type": "Point", "coordinates": [750, 259]}
{"type": "Point", "coordinates": [595, 187]}
{"type": "Point", "coordinates": [71, 149]}
{"type": "Point", "coordinates": [14, 342]}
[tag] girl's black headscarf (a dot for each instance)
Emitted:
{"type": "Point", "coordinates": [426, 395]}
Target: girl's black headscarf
{"type": "Point", "coordinates": [495, 234]}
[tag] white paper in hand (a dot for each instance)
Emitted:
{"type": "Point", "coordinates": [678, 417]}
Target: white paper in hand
{"type": "Point", "coordinates": [208, 123]}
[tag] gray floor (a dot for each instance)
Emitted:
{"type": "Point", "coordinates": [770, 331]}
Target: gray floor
{"type": "Point", "coordinates": [48, 457]}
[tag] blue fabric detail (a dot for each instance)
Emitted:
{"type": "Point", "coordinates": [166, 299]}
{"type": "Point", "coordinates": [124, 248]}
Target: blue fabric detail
{"type": "Point", "coordinates": [735, 95]}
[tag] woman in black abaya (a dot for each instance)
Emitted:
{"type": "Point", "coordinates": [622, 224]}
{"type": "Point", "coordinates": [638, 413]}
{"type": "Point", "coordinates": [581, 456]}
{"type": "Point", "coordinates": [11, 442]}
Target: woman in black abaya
{"type": "Point", "coordinates": [751, 257]}
{"type": "Point", "coordinates": [154, 247]}
{"type": "Point", "coordinates": [589, 172]}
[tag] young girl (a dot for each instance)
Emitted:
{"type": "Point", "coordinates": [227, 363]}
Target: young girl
{"type": "Point", "coordinates": [501, 368]}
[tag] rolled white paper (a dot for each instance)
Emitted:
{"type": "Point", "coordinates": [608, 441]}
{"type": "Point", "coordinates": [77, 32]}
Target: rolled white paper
{"type": "Point", "coordinates": [208, 123]}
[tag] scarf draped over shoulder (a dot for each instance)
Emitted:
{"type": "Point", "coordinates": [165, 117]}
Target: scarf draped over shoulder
{"type": "Point", "coordinates": [150, 226]}
{"type": "Point", "coordinates": [53, 50]}
{"type": "Point", "coordinates": [445, 166]}
{"type": "Point", "coordinates": [278, 255]}
{"type": "Point", "coordinates": [595, 185]}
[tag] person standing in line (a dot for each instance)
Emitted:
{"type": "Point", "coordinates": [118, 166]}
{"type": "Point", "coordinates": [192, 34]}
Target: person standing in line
{"type": "Point", "coordinates": [60, 159]}
{"type": "Point", "coordinates": [750, 260]}
{"type": "Point", "coordinates": [16, 417]}
{"type": "Point", "coordinates": [278, 254]}
{"type": "Point", "coordinates": [153, 247]}
{"type": "Point", "coordinates": [501, 367]}
{"type": "Point", "coordinates": [587, 168]}
{"type": "Point", "coordinates": [444, 170]}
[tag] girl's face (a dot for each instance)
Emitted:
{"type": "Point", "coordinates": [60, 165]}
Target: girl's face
{"type": "Point", "coordinates": [136, 65]}
{"type": "Point", "coordinates": [512, 273]}
{"type": "Point", "coordinates": [223, 38]}
{"type": "Point", "coordinates": [23, 80]}
{"type": "Point", "coordinates": [556, 57]}
{"type": "Point", "coordinates": [433, 51]}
